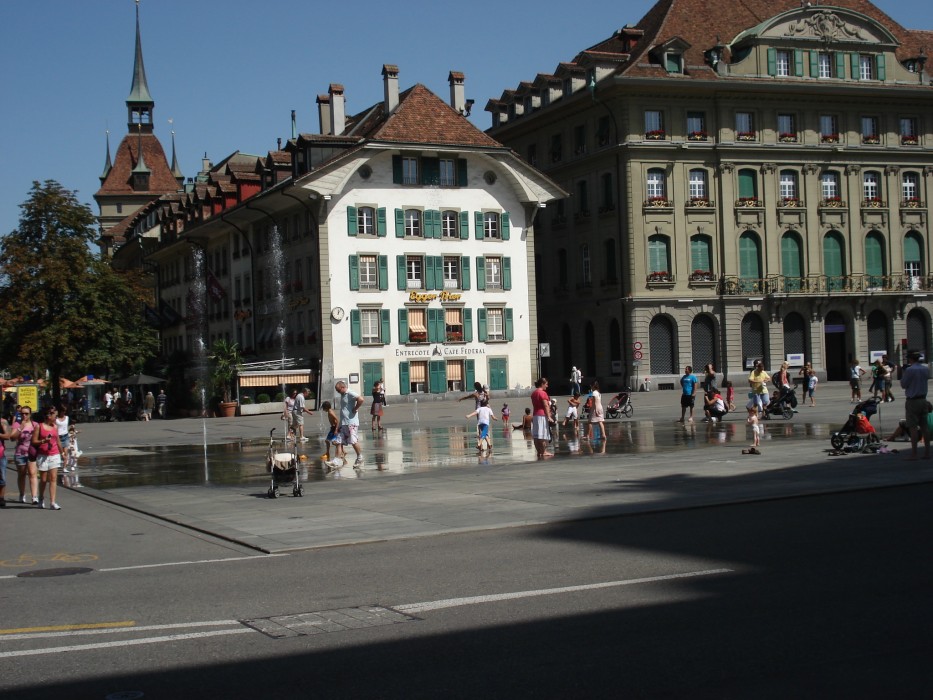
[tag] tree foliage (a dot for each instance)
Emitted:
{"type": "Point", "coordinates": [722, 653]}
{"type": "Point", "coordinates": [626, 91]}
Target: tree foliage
{"type": "Point", "coordinates": [63, 309]}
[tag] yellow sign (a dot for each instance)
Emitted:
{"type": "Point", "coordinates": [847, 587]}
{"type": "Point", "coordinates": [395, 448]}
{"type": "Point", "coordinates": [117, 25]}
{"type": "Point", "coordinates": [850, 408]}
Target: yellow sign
{"type": "Point", "coordinates": [419, 298]}
{"type": "Point", "coordinates": [28, 395]}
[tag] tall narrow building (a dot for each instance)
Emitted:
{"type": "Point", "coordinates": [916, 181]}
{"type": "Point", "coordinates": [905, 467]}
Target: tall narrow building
{"type": "Point", "coordinates": [140, 172]}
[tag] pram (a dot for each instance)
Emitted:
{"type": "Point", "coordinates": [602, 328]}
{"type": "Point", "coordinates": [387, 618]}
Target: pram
{"type": "Point", "coordinates": [283, 466]}
{"type": "Point", "coordinates": [848, 439]}
{"type": "Point", "coordinates": [783, 406]}
{"type": "Point", "coordinates": [621, 404]}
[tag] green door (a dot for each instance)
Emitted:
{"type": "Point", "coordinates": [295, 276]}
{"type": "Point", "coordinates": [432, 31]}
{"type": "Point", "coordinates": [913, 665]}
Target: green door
{"type": "Point", "coordinates": [790, 262]}
{"type": "Point", "coordinates": [833, 266]}
{"type": "Point", "coordinates": [874, 259]}
{"type": "Point", "coordinates": [437, 377]}
{"type": "Point", "coordinates": [749, 263]}
{"type": "Point", "coordinates": [498, 373]}
{"type": "Point", "coordinates": [372, 372]}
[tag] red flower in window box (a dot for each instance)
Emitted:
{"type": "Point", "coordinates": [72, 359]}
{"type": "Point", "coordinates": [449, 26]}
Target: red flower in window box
{"type": "Point", "coordinates": [655, 134]}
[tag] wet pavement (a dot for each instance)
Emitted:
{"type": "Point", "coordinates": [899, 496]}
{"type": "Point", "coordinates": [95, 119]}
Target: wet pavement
{"type": "Point", "coordinates": [423, 475]}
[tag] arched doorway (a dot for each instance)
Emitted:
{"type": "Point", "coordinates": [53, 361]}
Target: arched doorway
{"type": "Point", "coordinates": [918, 338]}
{"type": "Point", "coordinates": [661, 346]}
{"type": "Point", "coordinates": [836, 342]}
{"type": "Point", "coordinates": [753, 340]}
{"type": "Point", "coordinates": [795, 335]}
{"type": "Point", "coordinates": [703, 341]}
{"type": "Point", "coordinates": [878, 339]}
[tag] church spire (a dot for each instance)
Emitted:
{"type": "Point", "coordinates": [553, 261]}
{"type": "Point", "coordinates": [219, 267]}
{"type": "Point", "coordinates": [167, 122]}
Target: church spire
{"type": "Point", "coordinates": [139, 104]}
{"type": "Point", "coordinates": [108, 164]}
{"type": "Point", "coordinates": [176, 171]}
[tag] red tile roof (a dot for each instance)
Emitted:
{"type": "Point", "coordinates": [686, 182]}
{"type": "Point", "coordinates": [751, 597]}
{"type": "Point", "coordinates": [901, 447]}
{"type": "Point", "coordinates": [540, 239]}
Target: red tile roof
{"type": "Point", "coordinates": [119, 180]}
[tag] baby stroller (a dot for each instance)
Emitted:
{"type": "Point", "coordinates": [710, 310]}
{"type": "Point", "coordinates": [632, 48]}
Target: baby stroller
{"type": "Point", "coordinates": [783, 406]}
{"type": "Point", "coordinates": [621, 404]}
{"type": "Point", "coordinates": [284, 469]}
{"type": "Point", "coordinates": [849, 439]}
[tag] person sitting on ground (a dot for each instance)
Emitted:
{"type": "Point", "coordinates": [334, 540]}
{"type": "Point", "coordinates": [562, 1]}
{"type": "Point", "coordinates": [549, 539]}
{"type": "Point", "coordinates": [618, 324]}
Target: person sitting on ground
{"type": "Point", "coordinates": [525, 425]}
{"type": "Point", "coordinates": [900, 432]}
{"type": "Point", "coordinates": [715, 407]}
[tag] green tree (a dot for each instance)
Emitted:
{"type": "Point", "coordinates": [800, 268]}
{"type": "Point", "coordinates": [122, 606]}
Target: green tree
{"type": "Point", "coordinates": [62, 308]}
{"type": "Point", "coordinates": [225, 363]}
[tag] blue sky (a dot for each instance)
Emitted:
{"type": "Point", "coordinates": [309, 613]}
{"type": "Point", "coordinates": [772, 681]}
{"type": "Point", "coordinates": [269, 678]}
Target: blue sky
{"type": "Point", "coordinates": [228, 72]}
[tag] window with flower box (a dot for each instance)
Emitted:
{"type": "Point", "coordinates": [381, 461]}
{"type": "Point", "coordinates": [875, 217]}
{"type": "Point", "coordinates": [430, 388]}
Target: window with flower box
{"type": "Point", "coordinates": [458, 325]}
{"type": "Point", "coordinates": [910, 188]}
{"type": "Point", "coordinates": [699, 187]}
{"type": "Point", "coordinates": [871, 134]}
{"type": "Point", "coordinates": [414, 272]}
{"type": "Point", "coordinates": [787, 186]}
{"type": "Point", "coordinates": [787, 127]}
{"type": "Point", "coordinates": [659, 258]}
{"type": "Point", "coordinates": [701, 256]}
{"type": "Point", "coordinates": [654, 124]}
{"type": "Point", "coordinates": [909, 131]}
{"type": "Point", "coordinates": [452, 266]}
{"type": "Point", "coordinates": [745, 126]}
{"type": "Point", "coordinates": [829, 128]}
{"type": "Point", "coordinates": [696, 126]}
{"type": "Point", "coordinates": [871, 189]}
{"type": "Point", "coordinates": [656, 186]}
{"type": "Point", "coordinates": [829, 188]}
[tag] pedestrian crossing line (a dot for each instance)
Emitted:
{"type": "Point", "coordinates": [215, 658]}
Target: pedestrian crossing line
{"type": "Point", "coordinates": [84, 630]}
{"type": "Point", "coordinates": [414, 608]}
{"type": "Point", "coordinates": [125, 642]}
{"type": "Point", "coordinates": [95, 626]}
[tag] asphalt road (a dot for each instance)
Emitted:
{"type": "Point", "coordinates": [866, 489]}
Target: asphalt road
{"type": "Point", "coordinates": [807, 597]}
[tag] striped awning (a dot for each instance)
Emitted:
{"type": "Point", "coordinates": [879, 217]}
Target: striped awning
{"type": "Point", "coordinates": [270, 379]}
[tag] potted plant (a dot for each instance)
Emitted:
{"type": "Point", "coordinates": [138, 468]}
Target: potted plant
{"type": "Point", "coordinates": [225, 363]}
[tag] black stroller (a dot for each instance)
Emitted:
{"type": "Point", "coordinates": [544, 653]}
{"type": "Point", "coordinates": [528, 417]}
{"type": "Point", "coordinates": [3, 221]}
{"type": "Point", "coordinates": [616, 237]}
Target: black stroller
{"type": "Point", "coordinates": [621, 404]}
{"type": "Point", "coordinates": [848, 439]}
{"type": "Point", "coordinates": [283, 466]}
{"type": "Point", "coordinates": [783, 406]}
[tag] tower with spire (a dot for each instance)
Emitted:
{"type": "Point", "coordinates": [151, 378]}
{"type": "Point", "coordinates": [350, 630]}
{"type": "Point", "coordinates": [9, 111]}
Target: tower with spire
{"type": "Point", "coordinates": [139, 172]}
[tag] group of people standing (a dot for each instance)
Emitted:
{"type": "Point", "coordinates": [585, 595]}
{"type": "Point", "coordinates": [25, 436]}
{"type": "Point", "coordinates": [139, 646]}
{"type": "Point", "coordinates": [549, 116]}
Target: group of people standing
{"type": "Point", "coordinates": [120, 405]}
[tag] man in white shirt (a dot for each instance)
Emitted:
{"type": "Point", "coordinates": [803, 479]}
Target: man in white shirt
{"type": "Point", "coordinates": [298, 414]}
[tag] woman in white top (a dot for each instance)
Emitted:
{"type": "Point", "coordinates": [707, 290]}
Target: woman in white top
{"type": "Point", "coordinates": [62, 423]}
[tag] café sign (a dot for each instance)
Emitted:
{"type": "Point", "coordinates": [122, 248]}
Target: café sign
{"type": "Point", "coordinates": [421, 298]}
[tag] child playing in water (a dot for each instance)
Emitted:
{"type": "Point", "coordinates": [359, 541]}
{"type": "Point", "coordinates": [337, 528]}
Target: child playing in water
{"type": "Point", "coordinates": [505, 414]}
{"type": "Point", "coordinates": [756, 428]}
{"type": "Point", "coordinates": [332, 431]}
{"type": "Point", "coordinates": [484, 415]}
{"type": "Point", "coordinates": [573, 412]}
{"type": "Point", "coordinates": [525, 425]}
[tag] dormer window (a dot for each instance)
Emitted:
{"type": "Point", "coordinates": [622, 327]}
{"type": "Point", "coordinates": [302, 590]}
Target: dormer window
{"type": "Point", "coordinates": [866, 67]}
{"type": "Point", "coordinates": [825, 67]}
{"type": "Point", "coordinates": [782, 65]}
{"type": "Point", "coordinates": [674, 62]}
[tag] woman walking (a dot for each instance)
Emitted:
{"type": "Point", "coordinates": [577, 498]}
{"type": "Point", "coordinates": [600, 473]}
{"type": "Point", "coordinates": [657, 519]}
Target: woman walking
{"type": "Point", "coordinates": [379, 401]}
{"type": "Point", "coordinates": [49, 459]}
{"type": "Point", "coordinates": [24, 456]}
{"type": "Point", "coordinates": [541, 416]}
{"type": "Point", "coordinates": [596, 415]}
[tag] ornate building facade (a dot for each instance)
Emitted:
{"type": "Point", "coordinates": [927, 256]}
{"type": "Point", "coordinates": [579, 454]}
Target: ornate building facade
{"type": "Point", "coordinates": [747, 181]}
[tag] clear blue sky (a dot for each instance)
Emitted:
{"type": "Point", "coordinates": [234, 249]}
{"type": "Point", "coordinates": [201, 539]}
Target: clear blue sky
{"type": "Point", "coordinates": [228, 72]}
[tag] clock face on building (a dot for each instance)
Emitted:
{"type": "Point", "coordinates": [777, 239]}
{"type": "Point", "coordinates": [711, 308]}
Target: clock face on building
{"type": "Point", "coordinates": [337, 313]}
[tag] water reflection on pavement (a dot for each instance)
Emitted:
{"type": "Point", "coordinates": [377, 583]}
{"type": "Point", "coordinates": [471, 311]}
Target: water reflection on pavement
{"type": "Point", "coordinates": [412, 450]}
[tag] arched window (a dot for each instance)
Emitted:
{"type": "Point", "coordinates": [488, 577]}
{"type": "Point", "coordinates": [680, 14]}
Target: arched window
{"type": "Point", "coordinates": [750, 262]}
{"type": "Point", "coordinates": [829, 186]}
{"type": "Point", "coordinates": [875, 266]}
{"type": "Point", "coordinates": [659, 253]}
{"type": "Point", "coordinates": [788, 186]}
{"type": "Point", "coordinates": [698, 184]}
{"type": "Point", "coordinates": [661, 346]}
{"type": "Point", "coordinates": [792, 261]}
{"type": "Point", "coordinates": [753, 338]}
{"type": "Point", "coordinates": [701, 257]}
{"type": "Point", "coordinates": [910, 188]}
{"type": "Point", "coordinates": [871, 186]}
{"type": "Point", "coordinates": [913, 254]}
{"type": "Point", "coordinates": [748, 184]}
{"type": "Point", "coordinates": [703, 341]}
{"type": "Point", "coordinates": [834, 260]}
{"type": "Point", "coordinates": [656, 185]}
{"type": "Point", "coordinates": [795, 334]}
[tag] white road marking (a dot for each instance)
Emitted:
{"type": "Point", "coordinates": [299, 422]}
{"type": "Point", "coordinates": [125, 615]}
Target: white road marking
{"type": "Point", "coordinates": [185, 563]}
{"type": "Point", "coordinates": [126, 642]}
{"type": "Point", "coordinates": [116, 630]}
{"type": "Point", "coordinates": [475, 600]}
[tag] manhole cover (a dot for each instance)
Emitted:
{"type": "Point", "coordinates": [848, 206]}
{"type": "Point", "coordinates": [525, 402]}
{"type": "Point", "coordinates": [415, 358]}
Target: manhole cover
{"type": "Point", "coordinates": [64, 571]}
{"type": "Point", "coordinates": [327, 621]}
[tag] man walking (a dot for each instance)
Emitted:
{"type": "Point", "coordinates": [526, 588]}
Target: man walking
{"type": "Point", "coordinates": [299, 408]}
{"type": "Point", "coordinates": [161, 400]}
{"type": "Point", "coordinates": [688, 384]}
{"type": "Point", "coordinates": [914, 382]}
{"type": "Point", "coordinates": [349, 426]}
{"type": "Point", "coordinates": [575, 378]}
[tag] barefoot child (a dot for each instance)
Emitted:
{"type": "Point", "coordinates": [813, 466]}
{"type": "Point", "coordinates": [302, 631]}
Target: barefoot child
{"type": "Point", "coordinates": [484, 415]}
{"type": "Point", "coordinates": [573, 412]}
{"type": "Point", "coordinates": [752, 407]}
{"type": "Point", "coordinates": [506, 413]}
{"type": "Point", "coordinates": [332, 431]}
{"type": "Point", "coordinates": [525, 425]}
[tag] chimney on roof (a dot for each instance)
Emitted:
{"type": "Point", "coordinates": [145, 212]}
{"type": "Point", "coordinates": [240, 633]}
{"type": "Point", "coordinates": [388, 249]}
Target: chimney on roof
{"type": "Point", "coordinates": [323, 113]}
{"type": "Point", "coordinates": [457, 91]}
{"type": "Point", "coordinates": [390, 83]}
{"type": "Point", "coordinates": [338, 115]}
{"type": "Point", "coordinates": [206, 164]}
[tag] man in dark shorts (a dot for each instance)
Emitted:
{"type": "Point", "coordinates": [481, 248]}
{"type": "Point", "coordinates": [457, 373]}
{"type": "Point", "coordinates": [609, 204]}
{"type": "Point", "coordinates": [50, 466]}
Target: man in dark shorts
{"type": "Point", "coordinates": [688, 384]}
{"type": "Point", "coordinates": [914, 382]}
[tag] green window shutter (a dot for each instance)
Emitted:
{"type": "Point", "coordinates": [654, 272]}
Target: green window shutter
{"type": "Point", "coordinates": [397, 170]}
{"type": "Point", "coordinates": [430, 171]}
{"type": "Point", "coordinates": [464, 225]}
{"type": "Point", "coordinates": [748, 183]}
{"type": "Point", "coordinates": [430, 278]}
{"type": "Point", "coordinates": [699, 254]}
{"type": "Point", "coordinates": [832, 256]}
{"type": "Point", "coordinates": [465, 273]}
{"type": "Point", "coordinates": [772, 61]}
{"type": "Point", "coordinates": [879, 67]}
{"type": "Point", "coordinates": [509, 325]}
{"type": "Point", "coordinates": [469, 372]}
{"type": "Point", "coordinates": [437, 376]}
{"type": "Point", "coordinates": [853, 58]}
{"type": "Point", "coordinates": [351, 221]}
{"type": "Point", "coordinates": [481, 273]}
{"type": "Point", "coordinates": [504, 226]}
{"type": "Point", "coordinates": [401, 273]}
{"type": "Point", "coordinates": [814, 64]}
{"type": "Point", "coordinates": [658, 258]}
{"type": "Point", "coordinates": [404, 381]}
{"type": "Point", "coordinates": [383, 272]}
{"type": "Point", "coordinates": [386, 333]}
{"type": "Point", "coordinates": [403, 325]}
{"type": "Point", "coordinates": [748, 257]}
{"type": "Point", "coordinates": [790, 255]}
{"type": "Point", "coordinates": [468, 331]}
{"type": "Point", "coordinates": [506, 273]}
{"type": "Point", "coordinates": [840, 65]}
{"type": "Point", "coordinates": [354, 273]}
{"type": "Point", "coordinates": [798, 63]}
{"type": "Point", "coordinates": [462, 180]}
{"type": "Point", "coordinates": [436, 331]}
{"type": "Point", "coordinates": [356, 331]}
{"type": "Point", "coordinates": [400, 223]}
{"type": "Point", "coordinates": [481, 325]}
{"type": "Point", "coordinates": [381, 222]}
{"type": "Point", "coordinates": [478, 225]}
{"type": "Point", "coordinates": [911, 249]}
{"type": "Point", "coordinates": [435, 223]}
{"type": "Point", "coordinates": [874, 257]}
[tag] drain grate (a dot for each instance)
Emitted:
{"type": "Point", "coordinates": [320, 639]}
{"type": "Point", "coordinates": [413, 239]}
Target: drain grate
{"type": "Point", "coordinates": [339, 620]}
{"type": "Point", "coordinates": [64, 571]}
